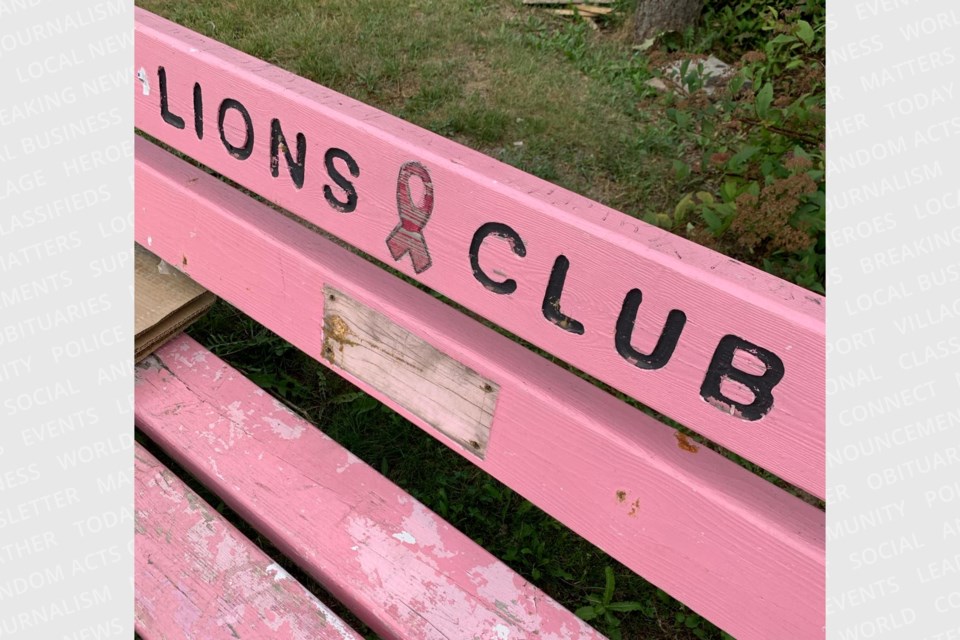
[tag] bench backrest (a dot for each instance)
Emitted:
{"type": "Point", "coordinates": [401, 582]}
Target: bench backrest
{"type": "Point", "coordinates": [728, 351]}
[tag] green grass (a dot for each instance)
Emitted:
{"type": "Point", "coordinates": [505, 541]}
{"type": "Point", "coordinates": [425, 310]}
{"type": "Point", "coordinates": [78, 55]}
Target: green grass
{"type": "Point", "coordinates": [493, 74]}
{"type": "Point", "coordinates": [476, 72]}
{"type": "Point", "coordinates": [558, 100]}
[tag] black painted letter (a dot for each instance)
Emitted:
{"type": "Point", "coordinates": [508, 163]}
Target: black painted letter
{"type": "Point", "coordinates": [667, 342]}
{"type": "Point", "coordinates": [500, 230]}
{"type": "Point", "coordinates": [296, 167]}
{"type": "Point", "coordinates": [170, 118]}
{"type": "Point", "coordinates": [198, 110]}
{"type": "Point", "coordinates": [242, 152]}
{"type": "Point", "coordinates": [551, 299]}
{"type": "Point", "coordinates": [721, 367]}
{"type": "Point", "coordinates": [342, 182]}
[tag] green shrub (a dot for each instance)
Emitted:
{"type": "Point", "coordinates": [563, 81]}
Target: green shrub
{"type": "Point", "coordinates": [754, 149]}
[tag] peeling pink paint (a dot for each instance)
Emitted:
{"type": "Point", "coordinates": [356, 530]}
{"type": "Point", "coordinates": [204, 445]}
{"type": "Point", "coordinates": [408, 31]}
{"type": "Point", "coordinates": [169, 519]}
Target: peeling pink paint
{"type": "Point", "coordinates": [198, 577]}
{"type": "Point", "coordinates": [425, 526]}
{"type": "Point", "coordinates": [400, 567]}
{"type": "Point", "coordinates": [284, 430]}
{"type": "Point", "coordinates": [404, 536]}
{"type": "Point", "coordinates": [350, 460]}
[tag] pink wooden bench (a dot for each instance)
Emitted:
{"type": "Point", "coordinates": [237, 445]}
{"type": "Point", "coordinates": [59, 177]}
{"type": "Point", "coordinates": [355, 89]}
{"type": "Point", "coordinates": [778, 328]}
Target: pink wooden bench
{"type": "Point", "coordinates": [730, 352]}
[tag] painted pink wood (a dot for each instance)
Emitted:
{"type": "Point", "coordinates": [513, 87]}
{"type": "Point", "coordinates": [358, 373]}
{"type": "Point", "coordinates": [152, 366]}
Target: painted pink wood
{"type": "Point", "coordinates": [735, 548]}
{"type": "Point", "coordinates": [395, 564]}
{"type": "Point", "coordinates": [609, 253]}
{"type": "Point", "coordinates": [197, 576]}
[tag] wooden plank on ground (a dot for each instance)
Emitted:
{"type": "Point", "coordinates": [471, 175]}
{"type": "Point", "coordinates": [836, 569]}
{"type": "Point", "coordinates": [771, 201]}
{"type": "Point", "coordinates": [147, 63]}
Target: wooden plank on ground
{"type": "Point", "coordinates": [564, 2]}
{"type": "Point", "coordinates": [398, 566]}
{"type": "Point", "coordinates": [733, 547]}
{"type": "Point", "coordinates": [723, 348]}
{"type": "Point", "coordinates": [585, 11]}
{"type": "Point", "coordinates": [197, 576]}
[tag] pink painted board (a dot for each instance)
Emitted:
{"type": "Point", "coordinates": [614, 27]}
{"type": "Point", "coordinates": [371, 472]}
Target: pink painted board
{"type": "Point", "coordinates": [395, 564]}
{"type": "Point", "coordinates": [197, 576]}
{"type": "Point", "coordinates": [733, 547]}
{"type": "Point", "coordinates": [418, 202]}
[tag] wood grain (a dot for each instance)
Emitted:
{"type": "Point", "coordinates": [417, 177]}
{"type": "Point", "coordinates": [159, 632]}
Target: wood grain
{"type": "Point", "coordinates": [433, 386]}
{"type": "Point", "coordinates": [398, 566]}
{"type": "Point", "coordinates": [353, 162]}
{"type": "Point", "coordinates": [197, 576]}
{"type": "Point", "coordinates": [736, 549]}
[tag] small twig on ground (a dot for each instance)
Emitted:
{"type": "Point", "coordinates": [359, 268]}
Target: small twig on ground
{"type": "Point", "coordinates": [798, 135]}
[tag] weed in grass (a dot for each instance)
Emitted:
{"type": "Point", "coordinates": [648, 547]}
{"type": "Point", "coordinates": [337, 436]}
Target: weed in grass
{"type": "Point", "coordinates": [604, 609]}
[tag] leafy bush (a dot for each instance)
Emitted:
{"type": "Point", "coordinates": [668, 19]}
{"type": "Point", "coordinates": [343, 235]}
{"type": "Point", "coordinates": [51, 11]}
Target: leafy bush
{"type": "Point", "coordinates": [754, 149]}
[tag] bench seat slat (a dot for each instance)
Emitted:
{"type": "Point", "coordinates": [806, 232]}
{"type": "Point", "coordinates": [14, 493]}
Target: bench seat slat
{"type": "Point", "coordinates": [609, 253]}
{"type": "Point", "coordinates": [197, 576]}
{"type": "Point", "coordinates": [736, 549]}
{"type": "Point", "coordinates": [395, 564]}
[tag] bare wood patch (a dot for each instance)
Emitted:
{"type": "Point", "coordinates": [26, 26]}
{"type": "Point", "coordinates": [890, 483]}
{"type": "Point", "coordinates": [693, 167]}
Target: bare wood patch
{"type": "Point", "coordinates": [447, 394]}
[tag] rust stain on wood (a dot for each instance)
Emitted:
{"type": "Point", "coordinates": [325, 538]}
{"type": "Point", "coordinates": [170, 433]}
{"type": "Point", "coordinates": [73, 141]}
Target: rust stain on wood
{"type": "Point", "coordinates": [684, 443]}
{"type": "Point", "coordinates": [335, 329]}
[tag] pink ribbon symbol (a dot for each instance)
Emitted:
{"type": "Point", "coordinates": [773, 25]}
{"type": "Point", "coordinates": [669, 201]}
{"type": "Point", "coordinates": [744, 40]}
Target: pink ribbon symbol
{"type": "Point", "coordinates": [407, 237]}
